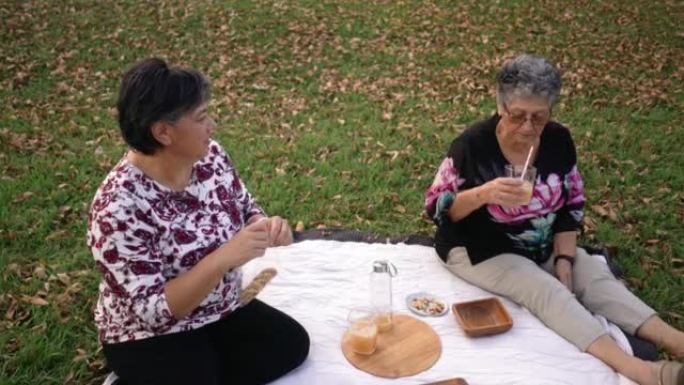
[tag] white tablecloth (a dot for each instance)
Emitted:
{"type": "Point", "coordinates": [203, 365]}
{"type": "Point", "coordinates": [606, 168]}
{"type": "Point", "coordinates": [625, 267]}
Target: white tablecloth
{"type": "Point", "coordinates": [318, 282]}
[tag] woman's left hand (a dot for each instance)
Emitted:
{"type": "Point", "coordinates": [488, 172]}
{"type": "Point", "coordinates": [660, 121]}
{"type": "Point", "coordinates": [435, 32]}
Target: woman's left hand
{"type": "Point", "coordinates": [280, 232]}
{"type": "Point", "coordinates": [564, 273]}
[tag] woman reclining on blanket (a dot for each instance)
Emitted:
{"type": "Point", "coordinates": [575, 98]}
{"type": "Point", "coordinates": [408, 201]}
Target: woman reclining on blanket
{"type": "Point", "coordinates": [528, 252]}
{"type": "Point", "coordinates": [169, 228]}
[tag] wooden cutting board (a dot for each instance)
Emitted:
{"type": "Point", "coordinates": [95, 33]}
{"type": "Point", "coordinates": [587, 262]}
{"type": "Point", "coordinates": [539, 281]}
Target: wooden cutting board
{"type": "Point", "coordinates": [453, 381]}
{"type": "Point", "coordinates": [411, 347]}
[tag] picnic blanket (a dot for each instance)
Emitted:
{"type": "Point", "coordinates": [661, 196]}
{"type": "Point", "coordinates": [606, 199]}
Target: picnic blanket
{"type": "Point", "coordinates": [319, 281]}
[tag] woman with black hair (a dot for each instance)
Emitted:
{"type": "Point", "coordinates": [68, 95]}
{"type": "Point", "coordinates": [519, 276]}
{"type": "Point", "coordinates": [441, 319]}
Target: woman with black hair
{"type": "Point", "coordinates": [169, 229]}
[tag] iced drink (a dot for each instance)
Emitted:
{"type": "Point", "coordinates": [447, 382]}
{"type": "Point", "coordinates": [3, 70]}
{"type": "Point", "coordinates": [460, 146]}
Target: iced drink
{"type": "Point", "coordinates": [527, 186]}
{"type": "Point", "coordinates": [363, 336]}
{"type": "Point", "coordinates": [383, 321]}
{"type": "Point", "coordinates": [528, 178]}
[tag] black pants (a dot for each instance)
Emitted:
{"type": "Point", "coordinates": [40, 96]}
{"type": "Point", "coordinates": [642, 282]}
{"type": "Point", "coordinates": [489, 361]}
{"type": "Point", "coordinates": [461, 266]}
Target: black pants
{"type": "Point", "coordinates": [254, 345]}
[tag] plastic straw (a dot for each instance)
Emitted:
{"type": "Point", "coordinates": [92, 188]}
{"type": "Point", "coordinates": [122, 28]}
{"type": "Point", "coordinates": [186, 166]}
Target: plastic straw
{"type": "Point", "coordinates": [527, 163]}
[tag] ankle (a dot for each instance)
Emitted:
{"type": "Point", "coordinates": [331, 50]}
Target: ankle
{"type": "Point", "coordinates": [674, 344]}
{"type": "Point", "coordinates": [645, 373]}
{"type": "Point", "coordinates": [679, 353]}
{"type": "Point", "coordinates": [649, 375]}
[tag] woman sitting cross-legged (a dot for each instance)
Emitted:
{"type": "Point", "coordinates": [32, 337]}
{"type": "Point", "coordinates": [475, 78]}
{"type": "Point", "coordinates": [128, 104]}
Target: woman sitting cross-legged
{"type": "Point", "coordinates": [517, 240]}
{"type": "Point", "coordinates": [169, 228]}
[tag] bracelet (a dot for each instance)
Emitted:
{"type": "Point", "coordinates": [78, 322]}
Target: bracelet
{"type": "Point", "coordinates": [565, 257]}
{"type": "Point", "coordinates": [442, 207]}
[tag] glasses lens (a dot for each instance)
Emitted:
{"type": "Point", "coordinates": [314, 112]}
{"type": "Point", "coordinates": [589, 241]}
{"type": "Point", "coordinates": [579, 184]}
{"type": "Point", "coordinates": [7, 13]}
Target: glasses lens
{"type": "Point", "coordinates": [518, 119]}
{"type": "Point", "coordinates": [535, 119]}
{"type": "Point", "coordinates": [539, 120]}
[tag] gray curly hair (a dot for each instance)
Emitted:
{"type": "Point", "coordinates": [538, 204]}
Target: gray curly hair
{"type": "Point", "coordinates": [528, 75]}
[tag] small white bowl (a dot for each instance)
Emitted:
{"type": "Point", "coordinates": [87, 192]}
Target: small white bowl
{"type": "Point", "coordinates": [430, 297]}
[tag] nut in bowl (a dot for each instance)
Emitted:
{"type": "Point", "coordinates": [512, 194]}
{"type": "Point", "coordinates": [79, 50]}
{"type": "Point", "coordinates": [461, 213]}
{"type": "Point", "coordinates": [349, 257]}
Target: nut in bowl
{"type": "Point", "coordinates": [426, 305]}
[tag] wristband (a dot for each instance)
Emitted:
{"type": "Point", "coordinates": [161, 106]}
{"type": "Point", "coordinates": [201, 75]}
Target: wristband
{"type": "Point", "coordinates": [565, 257]}
{"type": "Point", "coordinates": [442, 206]}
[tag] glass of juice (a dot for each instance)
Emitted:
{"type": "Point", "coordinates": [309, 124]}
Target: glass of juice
{"type": "Point", "coordinates": [383, 320]}
{"type": "Point", "coordinates": [528, 178]}
{"type": "Point", "coordinates": [362, 332]}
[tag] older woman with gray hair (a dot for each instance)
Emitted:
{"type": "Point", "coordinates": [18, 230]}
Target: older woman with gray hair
{"type": "Point", "coordinates": [519, 239]}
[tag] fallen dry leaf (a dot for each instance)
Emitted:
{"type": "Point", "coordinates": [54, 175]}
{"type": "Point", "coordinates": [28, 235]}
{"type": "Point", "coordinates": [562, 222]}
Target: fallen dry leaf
{"type": "Point", "coordinates": [58, 234]}
{"type": "Point", "coordinates": [23, 197]}
{"type": "Point", "coordinates": [35, 300]}
{"type": "Point", "coordinates": [14, 268]}
{"type": "Point", "coordinates": [11, 310]}
{"type": "Point", "coordinates": [605, 211]}
{"type": "Point", "coordinates": [674, 315]}
{"type": "Point", "coordinates": [39, 272]}
{"type": "Point", "coordinates": [64, 278]}
{"type": "Point", "coordinates": [81, 355]}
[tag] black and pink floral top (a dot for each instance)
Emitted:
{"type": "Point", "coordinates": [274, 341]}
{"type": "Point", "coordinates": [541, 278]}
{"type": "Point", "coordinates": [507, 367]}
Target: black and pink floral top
{"type": "Point", "coordinates": [475, 158]}
{"type": "Point", "coordinates": [143, 234]}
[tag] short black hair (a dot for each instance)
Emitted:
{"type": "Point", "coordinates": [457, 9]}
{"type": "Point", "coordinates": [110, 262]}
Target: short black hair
{"type": "Point", "coordinates": [152, 91]}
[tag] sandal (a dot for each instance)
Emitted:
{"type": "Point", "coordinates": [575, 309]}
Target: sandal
{"type": "Point", "coordinates": [671, 373]}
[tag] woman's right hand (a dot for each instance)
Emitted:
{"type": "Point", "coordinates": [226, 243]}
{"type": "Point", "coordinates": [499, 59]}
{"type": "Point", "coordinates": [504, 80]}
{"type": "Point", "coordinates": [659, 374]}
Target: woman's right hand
{"type": "Point", "coordinates": [185, 292]}
{"type": "Point", "coordinates": [504, 191]}
{"type": "Point", "coordinates": [249, 243]}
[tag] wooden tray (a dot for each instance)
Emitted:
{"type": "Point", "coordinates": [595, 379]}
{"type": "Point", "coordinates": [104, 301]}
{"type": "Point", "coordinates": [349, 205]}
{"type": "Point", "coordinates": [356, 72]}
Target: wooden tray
{"type": "Point", "coordinates": [482, 317]}
{"type": "Point", "coordinates": [411, 347]}
{"type": "Point", "coordinates": [453, 381]}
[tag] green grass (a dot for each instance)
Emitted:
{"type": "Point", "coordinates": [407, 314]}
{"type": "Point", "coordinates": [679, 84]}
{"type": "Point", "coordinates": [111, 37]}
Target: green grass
{"type": "Point", "coordinates": [337, 114]}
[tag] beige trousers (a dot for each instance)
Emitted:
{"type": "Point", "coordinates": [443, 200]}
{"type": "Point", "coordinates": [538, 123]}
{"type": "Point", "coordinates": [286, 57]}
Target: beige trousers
{"type": "Point", "coordinates": [536, 288]}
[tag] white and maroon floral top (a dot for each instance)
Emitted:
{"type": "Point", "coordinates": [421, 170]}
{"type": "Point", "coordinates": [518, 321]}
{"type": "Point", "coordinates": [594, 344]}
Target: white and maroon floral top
{"type": "Point", "coordinates": [143, 234]}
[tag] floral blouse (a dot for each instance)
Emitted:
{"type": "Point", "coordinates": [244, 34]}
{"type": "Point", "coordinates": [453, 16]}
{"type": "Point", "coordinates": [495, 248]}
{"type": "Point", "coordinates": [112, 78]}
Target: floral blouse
{"type": "Point", "coordinates": [143, 234]}
{"type": "Point", "coordinates": [475, 158]}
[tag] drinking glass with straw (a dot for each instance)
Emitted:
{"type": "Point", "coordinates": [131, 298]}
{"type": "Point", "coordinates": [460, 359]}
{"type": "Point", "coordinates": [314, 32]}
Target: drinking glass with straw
{"type": "Point", "coordinates": [527, 174]}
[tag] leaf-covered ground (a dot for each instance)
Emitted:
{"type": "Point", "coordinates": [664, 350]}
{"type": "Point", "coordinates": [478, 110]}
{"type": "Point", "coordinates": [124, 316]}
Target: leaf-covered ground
{"type": "Point", "coordinates": [337, 114]}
